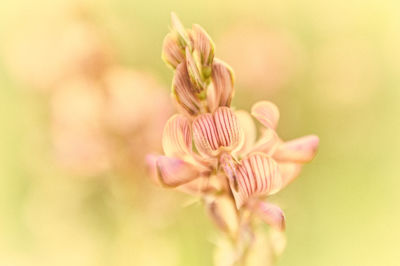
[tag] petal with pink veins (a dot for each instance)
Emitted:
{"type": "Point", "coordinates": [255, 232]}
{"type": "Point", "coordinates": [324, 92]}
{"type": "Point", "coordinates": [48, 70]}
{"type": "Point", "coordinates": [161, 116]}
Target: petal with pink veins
{"type": "Point", "coordinates": [177, 137]}
{"type": "Point", "coordinates": [205, 135]}
{"type": "Point", "coordinates": [257, 174]}
{"type": "Point", "coordinates": [230, 135]}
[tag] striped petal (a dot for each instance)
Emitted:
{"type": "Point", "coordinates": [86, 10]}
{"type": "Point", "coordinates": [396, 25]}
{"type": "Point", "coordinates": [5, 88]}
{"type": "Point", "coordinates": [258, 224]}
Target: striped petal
{"type": "Point", "coordinates": [184, 91]}
{"type": "Point", "coordinates": [205, 135]}
{"type": "Point", "coordinates": [246, 123]}
{"type": "Point", "coordinates": [173, 172]}
{"type": "Point", "coordinates": [222, 90]}
{"type": "Point", "coordinates": [271, 214]}
{"type": "Point", "coordinates": [301, 150]}
{"type": "Point", "coordinates": [257, 174]}
{"type": "Point", "coordinates": [230, 135]}
{"type": "Point", "coordinates": [266, 113]}
{"type": "Point", "coordinates": [177, 137]}
{"type": "Point", "coordinates": [172, 53]}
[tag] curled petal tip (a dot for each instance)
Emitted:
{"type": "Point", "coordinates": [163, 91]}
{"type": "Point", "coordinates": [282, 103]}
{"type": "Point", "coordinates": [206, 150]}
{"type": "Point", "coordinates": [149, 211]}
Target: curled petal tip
{"type": "Point", "coordinates": [151, 163]}
{"type": "Point", "coordinates": [271, 214]}
{"type": "Point", "coordinates": [266, 113]}
{"type": "Point", "coordinates": [300, 150]}
{"type": "Point", "coordinates": [173, 172]}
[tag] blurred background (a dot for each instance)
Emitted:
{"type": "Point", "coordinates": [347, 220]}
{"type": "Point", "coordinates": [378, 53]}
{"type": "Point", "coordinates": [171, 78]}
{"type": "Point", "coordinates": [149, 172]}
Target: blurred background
{"type": "Point", "coordinates": [79, 81]}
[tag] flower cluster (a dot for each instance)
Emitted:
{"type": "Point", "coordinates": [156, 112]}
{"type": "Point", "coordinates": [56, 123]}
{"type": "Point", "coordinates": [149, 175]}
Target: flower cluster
{"type": "Point", "coordinates": [211, 150]}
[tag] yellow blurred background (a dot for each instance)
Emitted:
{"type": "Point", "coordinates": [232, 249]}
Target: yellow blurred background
{"type": "Point", "coordinates": [67, 198]}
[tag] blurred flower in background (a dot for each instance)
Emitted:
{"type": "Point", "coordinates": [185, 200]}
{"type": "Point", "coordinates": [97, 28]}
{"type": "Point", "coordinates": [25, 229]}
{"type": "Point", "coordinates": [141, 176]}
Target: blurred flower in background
{"type": "Point", "coordinates": [99, 110]}
{"type": "Point", "coordinates": [265, 60]}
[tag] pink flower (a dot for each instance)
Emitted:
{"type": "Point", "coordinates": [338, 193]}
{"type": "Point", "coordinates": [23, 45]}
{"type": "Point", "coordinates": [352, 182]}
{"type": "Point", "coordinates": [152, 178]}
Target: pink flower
{"type": "Point", "coordinates": [211, 150]}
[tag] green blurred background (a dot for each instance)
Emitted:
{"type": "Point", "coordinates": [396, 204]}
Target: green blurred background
{"type": "Point", "coordinates": [333, 68]}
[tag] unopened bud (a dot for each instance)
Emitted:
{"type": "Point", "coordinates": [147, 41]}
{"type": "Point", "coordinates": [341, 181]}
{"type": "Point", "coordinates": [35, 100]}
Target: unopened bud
{"type": "Point", "coordinates": [222, 90]}
{"type": "Point", "coordinates": [177, 26]}
{"type": "Point", "coordinates": [194, 73]}
{"type": "Point", "coordinates": [184, 92]}
{"type": "Point", "coordinates": [203, 44]}
{"type": "Point", "coordinates": [172, 54]}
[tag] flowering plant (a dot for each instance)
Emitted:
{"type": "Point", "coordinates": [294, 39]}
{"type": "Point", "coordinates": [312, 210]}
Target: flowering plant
{"type": "Point", "coordinates": [211, 150]}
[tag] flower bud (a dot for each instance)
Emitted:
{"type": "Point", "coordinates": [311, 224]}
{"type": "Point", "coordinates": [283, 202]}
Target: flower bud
{"type": "Point", "coordinates": [194, 73]}
{"type": "Point", "coordinates": [203, 49]}
{"type": "Point", "coordinates": [184, 92]}
{"type": "Point", "coordinates": [172, 52]}
{"type": "Point", "coordinates": [183, 37]}
{"type": "Point", "coordinates": [221, 91]}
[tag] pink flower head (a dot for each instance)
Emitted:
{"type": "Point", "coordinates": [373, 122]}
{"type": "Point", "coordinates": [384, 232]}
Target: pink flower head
{"type": "Point", "coordinates": [210, 149]}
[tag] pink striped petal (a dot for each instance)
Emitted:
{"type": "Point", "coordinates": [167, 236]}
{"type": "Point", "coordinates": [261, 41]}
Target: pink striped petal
{"type": "Point", "coordinates": [257, 174]}
{"type": "Point", "coordinates": [271, 214]}
{"type": "Point", "coordinates": [174, 172]}
{"type": "Point", "coordinates": [172, 52]}
{"type": "Point", "coordinates": [230, 135]}
{"type": "Point", "coordinates": [222, 89]}
{"type": "Point", "coordinates": [246, 123]}
{"type": "Point", "coordinates": [301, 150]}
{"type": "Point", "coordinates": [177, 137]}
{"type": "Point", "coordinates": [205, 135]}
{"type": "Point", "coordinates": [267, 113]}
{"type": "Point", "coordinates": [184, 92]}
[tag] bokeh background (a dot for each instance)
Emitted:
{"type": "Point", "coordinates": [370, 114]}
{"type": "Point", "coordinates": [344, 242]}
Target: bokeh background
{"type": "Point", "coordinates": [84, 93]}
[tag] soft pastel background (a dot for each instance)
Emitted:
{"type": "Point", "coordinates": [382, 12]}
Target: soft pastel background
{"type": "Point", "coordinates": [333, 68]}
